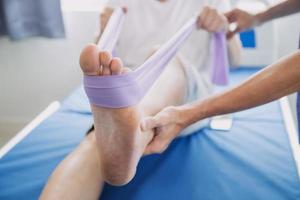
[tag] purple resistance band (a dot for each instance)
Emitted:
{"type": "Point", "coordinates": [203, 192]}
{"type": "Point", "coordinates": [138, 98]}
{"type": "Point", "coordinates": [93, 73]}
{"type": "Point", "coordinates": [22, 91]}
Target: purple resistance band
{"type": "Point", "coordinates": [118, 91]}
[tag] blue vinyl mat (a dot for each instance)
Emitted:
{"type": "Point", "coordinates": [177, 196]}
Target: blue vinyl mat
{"type": "Point", "coordinates": [253, 161]}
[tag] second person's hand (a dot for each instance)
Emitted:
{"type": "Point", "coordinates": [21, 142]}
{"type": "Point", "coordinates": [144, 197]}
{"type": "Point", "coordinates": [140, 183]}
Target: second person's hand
{"type": "Point", "coordinates": [243, 20]}
{"type": "Point", "coordinates": [166, 124]}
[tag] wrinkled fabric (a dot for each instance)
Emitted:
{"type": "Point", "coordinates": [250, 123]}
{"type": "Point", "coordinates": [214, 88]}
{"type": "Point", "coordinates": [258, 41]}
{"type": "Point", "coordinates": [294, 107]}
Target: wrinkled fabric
{"type": "Point", "coordinates": [128, 89]}
{"type": "Point", "coordinates": [24, 18]}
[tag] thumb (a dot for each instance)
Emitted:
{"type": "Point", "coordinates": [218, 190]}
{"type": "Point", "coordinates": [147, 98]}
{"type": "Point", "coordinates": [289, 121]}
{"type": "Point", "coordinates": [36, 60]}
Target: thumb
{"type": "Point", "coordinates": [149, 123]}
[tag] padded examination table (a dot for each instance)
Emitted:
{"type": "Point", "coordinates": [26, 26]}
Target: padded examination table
{"type": "Point", "coordinates": [253, 161]}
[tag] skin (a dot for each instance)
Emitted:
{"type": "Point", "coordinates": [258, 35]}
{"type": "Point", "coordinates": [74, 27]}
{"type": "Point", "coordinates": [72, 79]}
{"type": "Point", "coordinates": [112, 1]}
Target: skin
{"type": "Point", "coordinates": [212, 20]}
{"type": "Point", "coordinates": [78, 176]}
{"type": "Point", "coordinates": [111, 152]}
{"type": "Point", "coordinates": [247, 20]}
{"type": "Point", "coordinates": [277, 80]}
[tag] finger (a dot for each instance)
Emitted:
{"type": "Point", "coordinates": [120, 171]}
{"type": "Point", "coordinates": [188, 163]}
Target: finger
{"type": "Point", "coordinates": [152, 122]}
{"type": "Point", "coordinates": [229, 35]}
{"type": "Point", "coordinates": [231, 15]}
{"type": "Point", "coordinates": [151, 149]}
{"type": "Point", "coordinates": [216, 25]}
{"type": "Point", "coordinates": [148, 150]}
{"type": "Point", "coordinates": [202, 16]}
{"type": "Point", "coordinates": [159, 143]}
{"type": "Point", "coordinates": [149, 123]}
{"type": "Point", "coordinates": [208, 20]}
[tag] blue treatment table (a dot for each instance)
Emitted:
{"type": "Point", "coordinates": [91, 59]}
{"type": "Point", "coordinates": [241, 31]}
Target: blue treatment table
{"type": "Point", "coordinates": [253, 161]}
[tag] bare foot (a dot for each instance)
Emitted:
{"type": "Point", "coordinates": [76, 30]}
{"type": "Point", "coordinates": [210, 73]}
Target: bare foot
{"type": "Point", "coordinates": [120, 141]}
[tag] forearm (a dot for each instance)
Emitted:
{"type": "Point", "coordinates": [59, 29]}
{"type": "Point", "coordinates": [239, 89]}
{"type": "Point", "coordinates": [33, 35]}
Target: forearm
{"type": "Point", "coordinates": [275, 81]}
{"type": "Point", "coordinates": [282, 9]}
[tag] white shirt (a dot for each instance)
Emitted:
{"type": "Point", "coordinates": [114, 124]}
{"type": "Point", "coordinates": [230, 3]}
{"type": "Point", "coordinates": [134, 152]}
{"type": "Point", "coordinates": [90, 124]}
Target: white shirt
{"type": "Point", "coordinates": [150, 23]}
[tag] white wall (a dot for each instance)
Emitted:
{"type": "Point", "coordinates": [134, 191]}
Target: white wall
{"type": "Point", "coordinates": [287, 33]}
{"type": "Point", "coordinates": [274, 39]}
{"type": "Point", "coordinates": [288, 29]}
{"type": "Point", "coordinates": [37, 71]}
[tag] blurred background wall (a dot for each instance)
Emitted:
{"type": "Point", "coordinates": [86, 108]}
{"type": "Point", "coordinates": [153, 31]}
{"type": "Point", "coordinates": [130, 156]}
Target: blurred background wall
{"type": "Point", "coordinates": [37, 71]}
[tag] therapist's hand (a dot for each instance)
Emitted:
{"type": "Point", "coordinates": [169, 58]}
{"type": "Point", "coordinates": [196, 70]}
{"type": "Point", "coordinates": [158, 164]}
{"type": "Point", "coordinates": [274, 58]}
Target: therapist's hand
{"type": "Point", "coordinates": [167, 124]}
{"type": "Point", "coordinates": [243, 20]}
{"type": "Point", "coordinates": [212, 20]}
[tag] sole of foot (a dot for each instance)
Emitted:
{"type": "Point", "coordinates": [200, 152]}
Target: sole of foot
{"type": "Point", "coordinates": [120, 140]}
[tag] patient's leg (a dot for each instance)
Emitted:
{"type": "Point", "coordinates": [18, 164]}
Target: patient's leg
{"type": "Point", "coordinates": [78, 176]}
{"type": "Point", "coordinates": [120, 140]}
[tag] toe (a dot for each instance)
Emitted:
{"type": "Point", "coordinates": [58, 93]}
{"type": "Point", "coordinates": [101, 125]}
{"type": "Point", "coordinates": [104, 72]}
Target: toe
{"type": "Point", "coordinates": [105, 60]}
{"type": "Point", "coordinates": [126, 70]}
{"type": "Point", "coordinates": [89, 61]}
{"type": "Point", "coordinates": [116, 66]}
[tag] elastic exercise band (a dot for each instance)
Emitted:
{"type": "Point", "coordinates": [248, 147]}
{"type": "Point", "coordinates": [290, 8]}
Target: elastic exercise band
{"type": "Point", "coordinates": [117, 91]}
